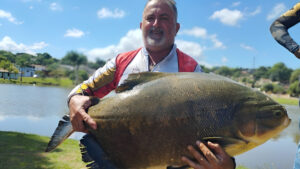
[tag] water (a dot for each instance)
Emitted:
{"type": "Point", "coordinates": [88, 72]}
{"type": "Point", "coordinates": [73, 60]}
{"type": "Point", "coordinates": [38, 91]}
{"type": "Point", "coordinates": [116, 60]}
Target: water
{"type": "Point", "coordinates": [32, 109]}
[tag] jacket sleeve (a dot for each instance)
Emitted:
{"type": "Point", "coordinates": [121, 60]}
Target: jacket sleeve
{"type": "Point", "coordinates": [97, 82]}
{"type": "Point", "coordinates": [279, 28]}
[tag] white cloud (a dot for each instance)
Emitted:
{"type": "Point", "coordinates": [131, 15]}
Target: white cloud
{"type": "Point", "coordinates": [8, 44]}
{"type": "Point", "coordinates": [75, 33]}
{"type": "Point", "coordinates": [107, 13]}
{"type": "Point", "coordinates": [224, 60]}
{"type": "Point", "coordinates": [276, 11]}
{"type": "Point", "coordinates": [55, 7]}
{"type": "Point", "coordinates": [228, 17]}
{"type": "Point", "coordinates": [9, 17]}
{"type": "Point", "coordinates": [257, 11]}
{"type": "Point", "coordinates": [131, 41]}
{"type": "Point", "coordinates": [2, 118]}
{"type": "Point", "coordinates": [196, 32]}
{"type": "Point", "coordinates": [217, 42]}
{"type": "Point", "coordinates": [191, 48]}
{"type": "Point", "coordinates": [235, 4]}
{"type": "Point", "coordinates": [202, 33]}
{"type": "Point", "coordinates": [247, 47]}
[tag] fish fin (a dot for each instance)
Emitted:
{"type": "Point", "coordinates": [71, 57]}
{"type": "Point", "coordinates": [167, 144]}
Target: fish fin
{"type": "Point", "coordinates": [181, 167]}
{"type": "Point", "coordinates": [90, 163]}
{"type": "Point", "coordinates": [139, 78]}
{"type": "Point", "coordinates": [62, 132]}
{"type": "Point", "coordinates": [229, 144]}
{"type": "Point", "coordinates": [224, 141]}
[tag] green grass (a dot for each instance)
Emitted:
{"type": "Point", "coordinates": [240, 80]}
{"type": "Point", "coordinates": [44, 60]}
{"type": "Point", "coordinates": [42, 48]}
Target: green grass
{"type": "Point", "coordinates": [26, 151]}
{"type": "Point", "coordinates": [289, 101]}
{"type": "Point", "coordinates": [241, 167]}
{"type": "Point", "coordinates": [63, 82]}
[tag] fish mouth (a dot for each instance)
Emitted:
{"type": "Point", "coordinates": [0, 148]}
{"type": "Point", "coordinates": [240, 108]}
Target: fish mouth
{"type": "Point", "coordinates": [287, 122]}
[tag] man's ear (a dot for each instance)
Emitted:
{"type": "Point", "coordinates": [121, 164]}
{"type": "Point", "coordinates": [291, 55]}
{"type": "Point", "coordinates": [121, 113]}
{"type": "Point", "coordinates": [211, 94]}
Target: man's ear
{"type": "Point", "coordinates": [177, 27]}
{"type": "Point", "coordinates": [140, 25]}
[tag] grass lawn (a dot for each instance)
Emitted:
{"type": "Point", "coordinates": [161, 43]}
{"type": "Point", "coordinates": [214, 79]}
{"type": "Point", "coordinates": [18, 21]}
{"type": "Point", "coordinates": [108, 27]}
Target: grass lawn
{"type": "Point", "coordinates": [284, 100]}
{"type": "Point", "coordinates": [63, 82]}
{"type": "Point", "coordinates": [26, 151]}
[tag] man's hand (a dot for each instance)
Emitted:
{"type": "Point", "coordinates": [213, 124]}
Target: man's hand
{"type": "Point", "coordinates": [297, 53]}
{"type": "Point", "coordinates": [77, 106]}
{"type": "Point", "coordinates": [209, 160]}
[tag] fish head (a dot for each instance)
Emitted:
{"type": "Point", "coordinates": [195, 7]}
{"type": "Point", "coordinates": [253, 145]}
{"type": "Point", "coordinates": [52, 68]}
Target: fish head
{"type": "Point", "coordinates": [258, 119]}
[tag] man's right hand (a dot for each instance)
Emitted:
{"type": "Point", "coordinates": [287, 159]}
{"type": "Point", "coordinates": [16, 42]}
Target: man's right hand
{"type": "Point", "coordinates": [77, 105]}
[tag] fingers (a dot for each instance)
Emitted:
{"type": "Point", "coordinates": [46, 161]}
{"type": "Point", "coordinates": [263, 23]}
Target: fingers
{"type": "Point", "coordinates": [219, 152]}
{"type": "Point", "coordinates": [191, 163]}
{"type": "Point", "coordinates": [199, 157]}
{"type": "Point", "coordinates": [213, 156]}
{"type": "Point", "coordinates": [78, 115]}
{"type": "Point", "coordinates": [87, 119]}
{"type": "Point", "coordinates": [208, 154]}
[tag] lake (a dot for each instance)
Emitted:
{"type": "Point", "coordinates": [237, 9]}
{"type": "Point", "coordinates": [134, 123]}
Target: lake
{"type": "Point", "coordinates": [36, 110]}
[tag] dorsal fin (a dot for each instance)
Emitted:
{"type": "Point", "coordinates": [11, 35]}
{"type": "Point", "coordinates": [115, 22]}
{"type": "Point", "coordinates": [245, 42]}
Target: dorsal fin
{"type": "Point", "coordinates": [139, 78]}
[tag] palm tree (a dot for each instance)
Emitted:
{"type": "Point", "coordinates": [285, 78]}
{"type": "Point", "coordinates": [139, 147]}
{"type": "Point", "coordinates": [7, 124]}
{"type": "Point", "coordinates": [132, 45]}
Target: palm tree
{"type": "Point", "coordinates": [75, 59]}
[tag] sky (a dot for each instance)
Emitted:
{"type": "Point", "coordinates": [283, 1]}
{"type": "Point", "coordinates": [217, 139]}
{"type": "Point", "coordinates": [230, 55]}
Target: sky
{"type": "Point", "coordinates": [216, 32]}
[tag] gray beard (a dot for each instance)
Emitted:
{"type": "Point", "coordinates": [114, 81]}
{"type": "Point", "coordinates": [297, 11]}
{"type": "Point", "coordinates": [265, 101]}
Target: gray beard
{"type": "Point", "coordinates": [155, 42]}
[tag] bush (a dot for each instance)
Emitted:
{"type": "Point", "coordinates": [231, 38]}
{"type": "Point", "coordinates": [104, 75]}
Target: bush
{"type": "Point", "coordinates": [268, 87]}
{"type": "Point", "coordinates": [294, 89]}
{"type": "Point", "coordinates": [278, 89]}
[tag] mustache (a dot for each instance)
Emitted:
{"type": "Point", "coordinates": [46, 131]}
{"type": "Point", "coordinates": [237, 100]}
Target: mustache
{"type": "Point", "coordinates": [156, 30]}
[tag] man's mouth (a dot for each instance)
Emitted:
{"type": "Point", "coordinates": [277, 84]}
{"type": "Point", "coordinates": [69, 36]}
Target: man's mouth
{"type": "Point", "coordinates": [156, 33]}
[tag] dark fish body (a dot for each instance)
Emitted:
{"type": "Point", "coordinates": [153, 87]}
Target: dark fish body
{"type": "Point", "coordinates": [151, 124]}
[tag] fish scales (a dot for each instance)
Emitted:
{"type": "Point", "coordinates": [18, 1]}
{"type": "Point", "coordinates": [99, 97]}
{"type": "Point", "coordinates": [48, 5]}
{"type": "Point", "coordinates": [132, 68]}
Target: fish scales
{"type": "Point", "coordinates": [155, 116]}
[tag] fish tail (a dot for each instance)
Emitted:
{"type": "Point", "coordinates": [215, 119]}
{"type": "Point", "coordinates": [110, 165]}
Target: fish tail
{"type": "Point", "coordinates": [62, 132]}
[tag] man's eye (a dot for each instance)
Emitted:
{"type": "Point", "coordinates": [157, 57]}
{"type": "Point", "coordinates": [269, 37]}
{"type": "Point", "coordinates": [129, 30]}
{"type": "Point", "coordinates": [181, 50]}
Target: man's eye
{"type": "Point", "coordinates": [164, 18]}
{"type": "Point", "coordinates": [150, 18]}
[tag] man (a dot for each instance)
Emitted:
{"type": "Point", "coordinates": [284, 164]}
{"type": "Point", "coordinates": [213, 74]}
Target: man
{"type": "Point", "coordinates": [159, 27]}
{"type": "Point", "coordinates": [279, 30]}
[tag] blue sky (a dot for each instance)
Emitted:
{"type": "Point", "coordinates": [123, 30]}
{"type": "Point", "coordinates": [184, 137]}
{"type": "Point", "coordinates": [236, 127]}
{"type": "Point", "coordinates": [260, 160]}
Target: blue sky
{"type": "Point", "coordinates": [215, 33]}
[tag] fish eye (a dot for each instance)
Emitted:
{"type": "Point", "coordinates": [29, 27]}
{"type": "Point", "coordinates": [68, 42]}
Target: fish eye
{"type": "Point", "coordinates": [277, 113]}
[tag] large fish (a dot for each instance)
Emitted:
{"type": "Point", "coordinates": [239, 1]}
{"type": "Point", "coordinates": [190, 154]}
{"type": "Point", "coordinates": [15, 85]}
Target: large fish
{"type": "Point", "coordinates": [154, 116]}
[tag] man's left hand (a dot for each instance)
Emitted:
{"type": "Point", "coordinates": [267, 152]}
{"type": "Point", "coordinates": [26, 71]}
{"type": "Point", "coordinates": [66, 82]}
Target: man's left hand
{"type": "Point", "coordinates": [214, 157]}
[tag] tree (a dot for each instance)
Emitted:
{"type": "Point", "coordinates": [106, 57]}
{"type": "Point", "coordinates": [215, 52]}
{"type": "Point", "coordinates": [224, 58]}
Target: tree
{"type": "Point", "coordinates": [261, 72]}
{"type": "Point", "coordinates": [279, 72]}
{"type": "Point", "coordinates": [295, 76]}
{"type": "Point", "coordinates": [75, 59]}
{"type": "Point", "coordinates": [224, 70]}
{"type": "Point", "coordinates": [95, 65]}
{"type": "Point", "coordinates": [23, 60]}
{"type": "Point", "coordinates": [44, 59]}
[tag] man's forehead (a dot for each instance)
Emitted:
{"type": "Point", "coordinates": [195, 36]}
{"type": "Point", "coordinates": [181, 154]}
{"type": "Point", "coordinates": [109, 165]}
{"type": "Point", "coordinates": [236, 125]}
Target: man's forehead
{"type": "Point", "coordinates": [156, 7]}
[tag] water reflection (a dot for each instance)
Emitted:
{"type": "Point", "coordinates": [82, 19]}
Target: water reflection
{"type": "Point", "coordinates": [37, 110]}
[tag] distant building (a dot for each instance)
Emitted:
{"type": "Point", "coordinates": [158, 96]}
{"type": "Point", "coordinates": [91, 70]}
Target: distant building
{"type": "Point", "coordinates": [30, 70]}
{"type": "Point", "coordinates": [27, 71]}
{"type": "Point", "coordinates": [4, 74]}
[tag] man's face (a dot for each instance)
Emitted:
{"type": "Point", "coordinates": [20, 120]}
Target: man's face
{"type": "Point", "coordinates": [159, 26]}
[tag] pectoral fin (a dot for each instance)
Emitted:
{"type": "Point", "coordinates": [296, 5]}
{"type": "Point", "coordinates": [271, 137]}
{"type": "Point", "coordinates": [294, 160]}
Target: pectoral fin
{"type": "Point", "coordinates": [231, 145]}
{"type": "Point", "coordinates": [139, 78]}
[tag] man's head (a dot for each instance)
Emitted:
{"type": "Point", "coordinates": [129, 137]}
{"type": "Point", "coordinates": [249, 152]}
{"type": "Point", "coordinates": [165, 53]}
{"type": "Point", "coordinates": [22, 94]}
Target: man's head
{"type": "Point", "coordinates": [159, 24]}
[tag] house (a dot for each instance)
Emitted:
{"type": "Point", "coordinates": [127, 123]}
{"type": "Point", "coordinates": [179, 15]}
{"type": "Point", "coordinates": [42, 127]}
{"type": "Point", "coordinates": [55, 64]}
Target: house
{"type": "Point", "coordinates": [5, 74]}
{"type": "Point", "coordinates": [27, 71]}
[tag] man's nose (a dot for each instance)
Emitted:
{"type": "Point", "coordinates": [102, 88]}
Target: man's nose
{"type": "Point", "coordinates": [156, 23]}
